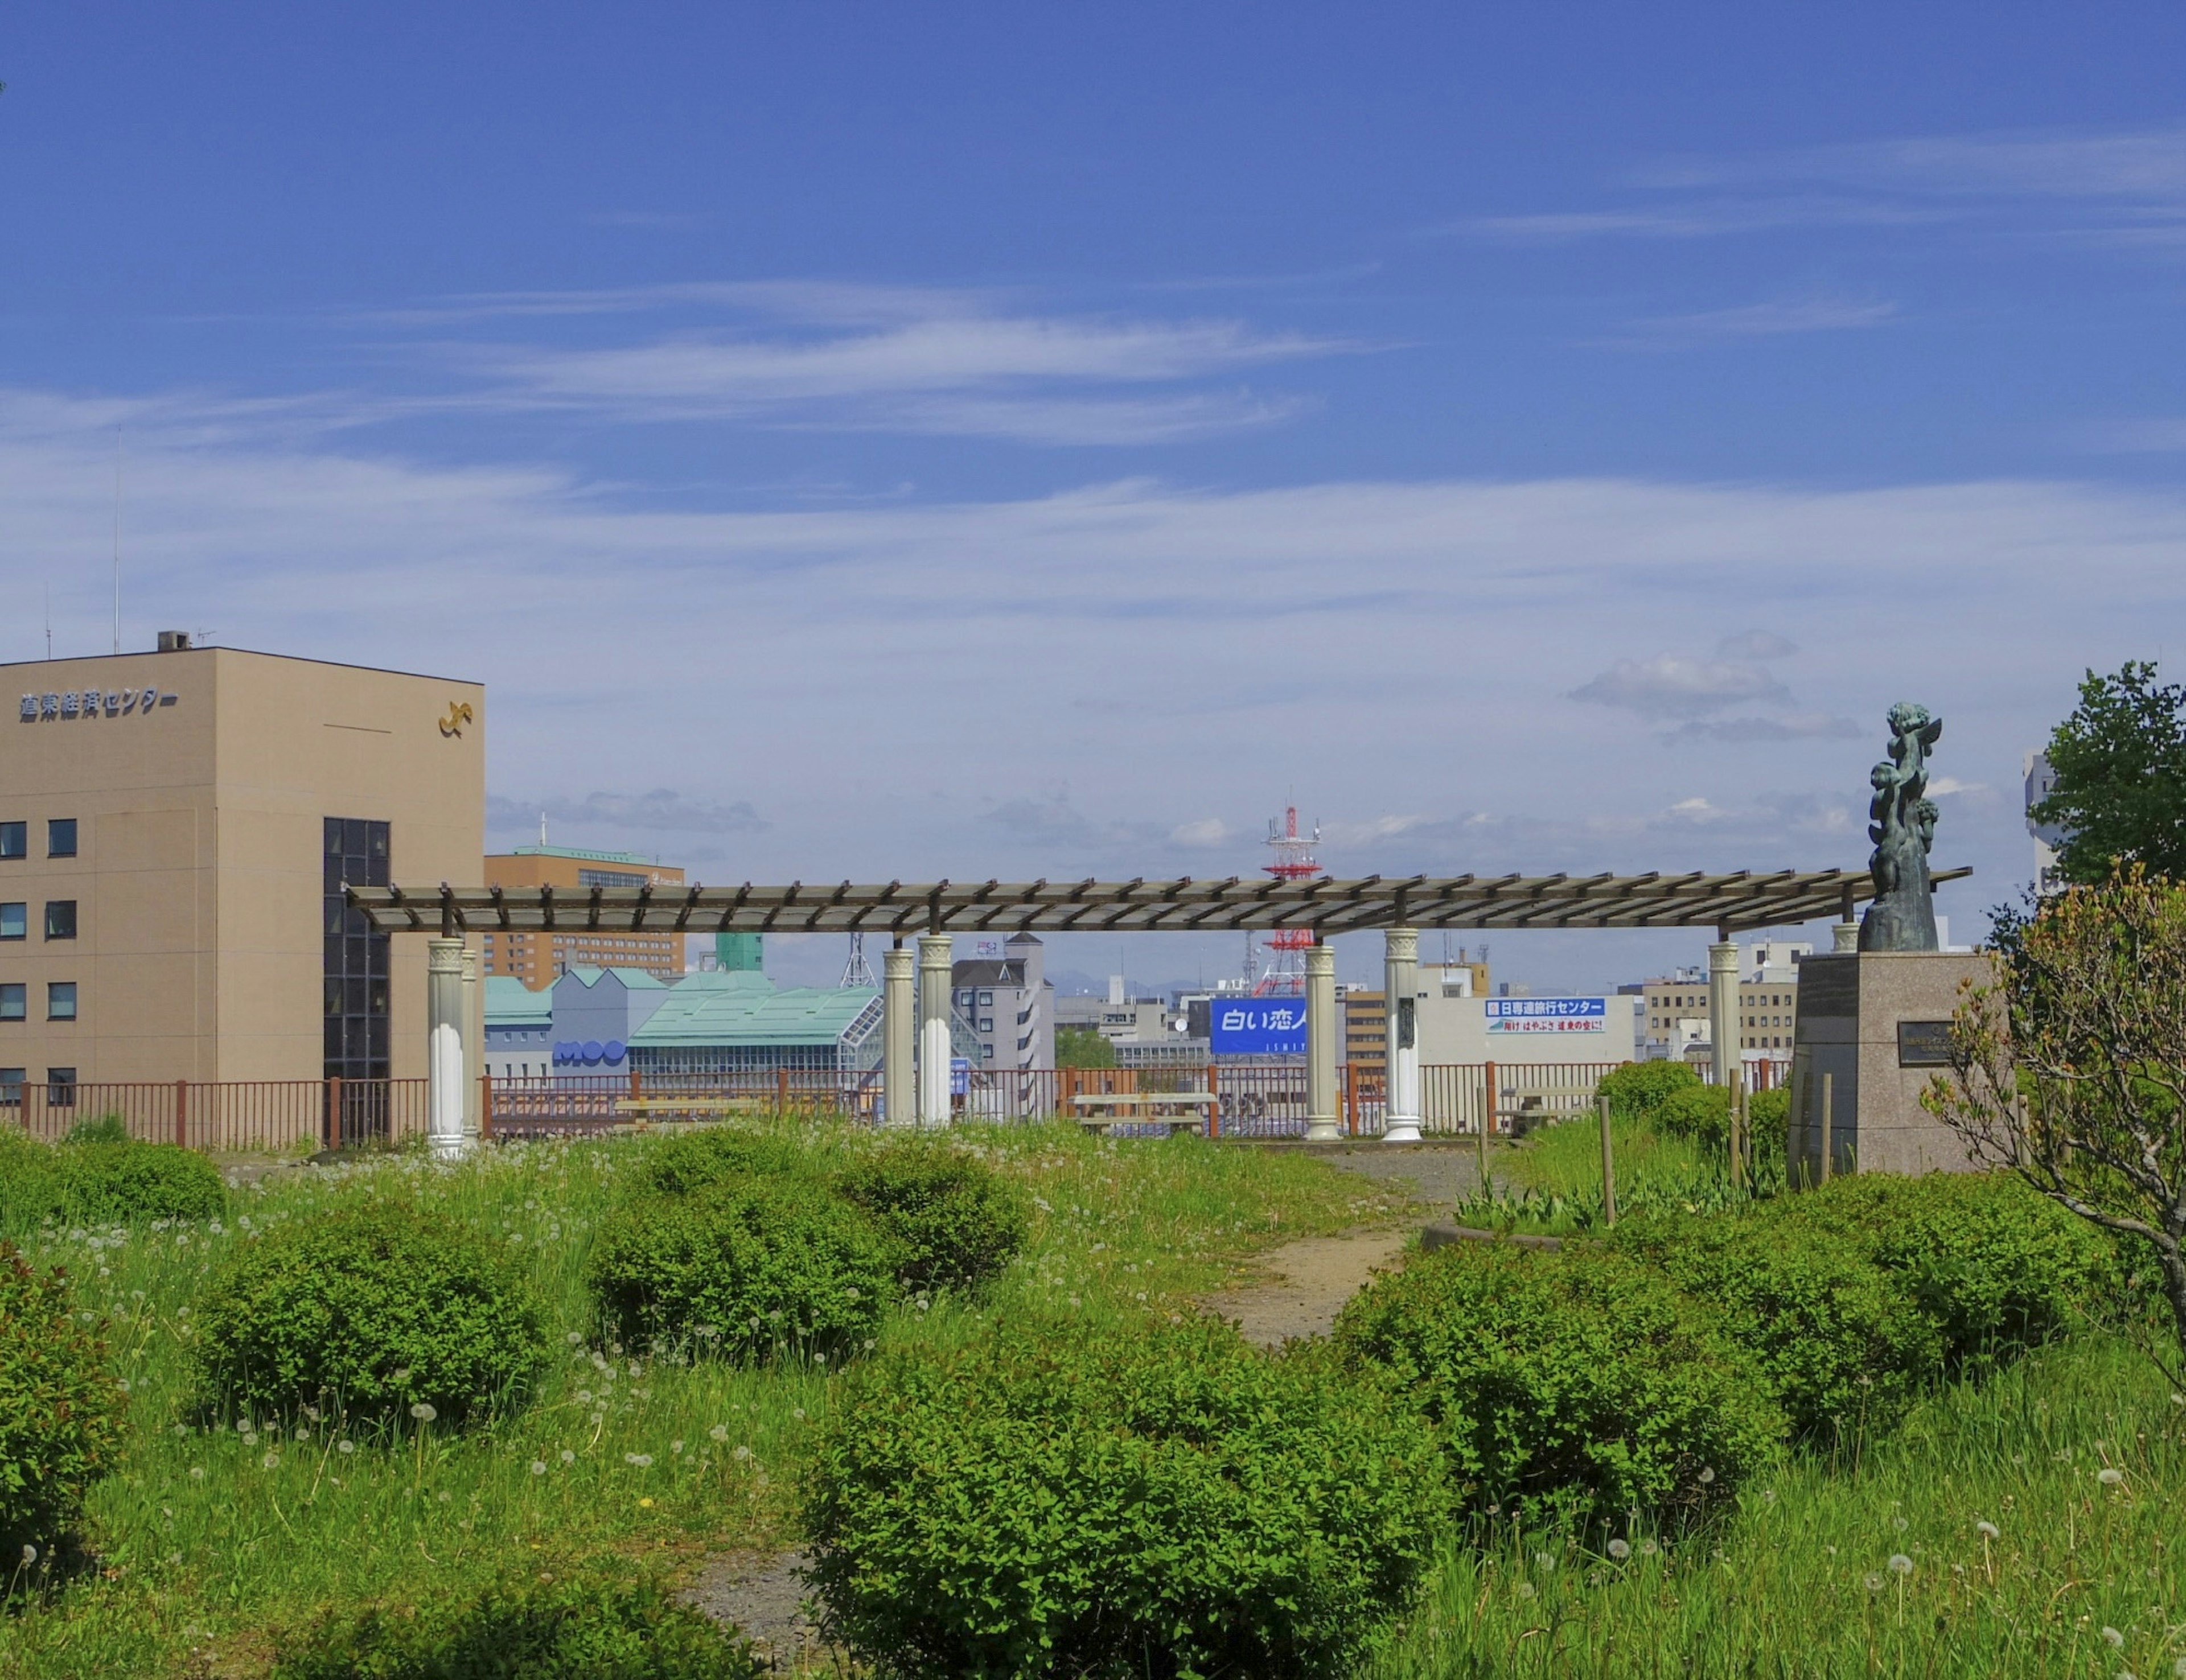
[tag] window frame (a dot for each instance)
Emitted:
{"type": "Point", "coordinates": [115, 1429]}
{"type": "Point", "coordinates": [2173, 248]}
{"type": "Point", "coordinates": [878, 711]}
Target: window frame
{"type": "Point", "coordinates": [68, 906]}
{"type": "Point", "coordinates": [54, 990]}
{"type": "Point", "coordinates": [54, 827]}
{"type": "Point", "coordinates": [15, 839]}
{"type": "Point", "coordinates": [22, 909]}
{"type": "Point", "coordinates": [18, 993]}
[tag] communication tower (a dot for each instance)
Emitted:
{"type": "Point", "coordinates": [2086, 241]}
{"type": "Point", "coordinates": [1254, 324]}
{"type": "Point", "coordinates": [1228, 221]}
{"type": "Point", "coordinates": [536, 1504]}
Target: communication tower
{"type": "Point", "coordinates": [1294, 860]}
{"type": "Point", "coordinates": [857, 972]}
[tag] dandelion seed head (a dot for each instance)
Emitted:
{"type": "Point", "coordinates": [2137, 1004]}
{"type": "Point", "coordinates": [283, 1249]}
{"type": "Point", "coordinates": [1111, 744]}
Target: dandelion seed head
{"type": "Point", "coordinates": [270, 1461]}
{"type": "Point", "coordinates": [1988, 1531]}
{"type": "Point", "coordinates": [719, 1432]}
{"type": "Point", "coordinates": [423, 1411]}
{"type": "Point", "coordinates": [1874, 1582]}
{"type": "Point", "coordinates": [30, 1553]}
{"type": "Point", "coordinates": [1706, 1476]}
{"type": "Point", "coordinates": [1620, 1549]}
{"type": "Point", "coordinates": [538, 1467]}
{"type": "Point", "coordinates": [2111, 1478]}
{"type": "Point", "coordinates": [569, 1457]}
{"type": "Point", "coordinates": [2113, 1638]}
{"type": "Point", "coordinates": [1900, 1563]}
{"type": "Point", "coordinates": [197, 1472]}
{"type": "Point", "coordinates": [345, 1446]}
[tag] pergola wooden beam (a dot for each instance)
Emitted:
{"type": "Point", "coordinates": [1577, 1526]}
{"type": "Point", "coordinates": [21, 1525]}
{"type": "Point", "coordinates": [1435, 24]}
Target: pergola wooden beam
{"type": "Point", "coordinates": [1327, 904]}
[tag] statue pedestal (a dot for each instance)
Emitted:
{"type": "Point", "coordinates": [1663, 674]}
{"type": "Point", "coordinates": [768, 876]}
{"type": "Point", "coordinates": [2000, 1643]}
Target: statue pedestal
{"type": "Point", "coordinates": [1877, 1023]}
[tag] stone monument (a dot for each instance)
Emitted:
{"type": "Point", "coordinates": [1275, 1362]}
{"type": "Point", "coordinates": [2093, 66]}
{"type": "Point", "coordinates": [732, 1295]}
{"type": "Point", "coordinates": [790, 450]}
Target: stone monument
{"type": "Point", "coordinates": [1874, 1024]}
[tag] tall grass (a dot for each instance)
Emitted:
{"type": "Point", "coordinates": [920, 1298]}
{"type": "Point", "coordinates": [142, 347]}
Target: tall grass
{"type": "Point", "coordinates": [217, 1532]}
{"type": "Point", "coordinates": [1551, 1181]}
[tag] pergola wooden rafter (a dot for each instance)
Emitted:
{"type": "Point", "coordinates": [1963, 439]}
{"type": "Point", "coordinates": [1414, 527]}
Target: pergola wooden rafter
{"type": "Point", "coordinates": [1729, 903]}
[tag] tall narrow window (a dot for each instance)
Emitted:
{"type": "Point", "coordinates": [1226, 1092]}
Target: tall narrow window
{"type": "Point", "coordinates": [14, 1000]}
{"type": "Point", "coordinates": [357, 966]}
{"type": "Point", "coordinates": [14, 839]}
{"type": "Point", "coordinates": [15, 920]}
{"type": "Point", "coordinates": [11, 1086]}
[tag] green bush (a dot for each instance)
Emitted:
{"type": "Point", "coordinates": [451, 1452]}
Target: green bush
{"type": "Point", "coordinates": [952, 1222]}
{"type": "Point", "coordinates": [1768, 1112]}
{"type": "Point", "coordinates": [368, 1313]}
{"type": "Point", "coordinates": [1700, 1112]}
{"type": "Point", "coordinates": [127, 1184]}
{"type": "Point", "coordinates": [745, 1269]}
{"type": "Point", "coordinates": [1582, 1383]}
{"type": "Point", "coordinates": [102, 1182]}
{"type": "Point", "coordinates": [590, 1625]}
{"type": "Point", "coordinates": [1636, 1089]}
{"type": "Point", "coordinates": [685, 1165]}
{"type": "Point", "coordinates": [1847, 1349]}
{"type": "Point", "coordinates": [105, 1129]}
{"type": "Point", "coordinates": [1998, 1267]}
{"type": "Point", "coordinates": [60, 1410]}
{"type": "Point", "coordinates": [1156, 1500]}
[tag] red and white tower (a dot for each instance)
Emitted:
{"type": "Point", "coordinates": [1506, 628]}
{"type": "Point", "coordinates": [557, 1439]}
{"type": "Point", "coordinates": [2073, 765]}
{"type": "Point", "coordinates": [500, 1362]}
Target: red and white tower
{"type": "Point", "coordinates": [1294, 860]}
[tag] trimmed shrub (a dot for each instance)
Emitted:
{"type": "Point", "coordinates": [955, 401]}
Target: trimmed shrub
{"type": "Point", "coordinates": [527, 1626]}
{"type": "Point", "coordinates": [1768, 1112]}
{"type": "Point", "coordinates": [1847, 1349]}
{"type": "Point", "coordinates": [368, 1311]}
{"type": "Point", "coordinates": [127, 1184]}
{"type": "Point", "coordinates": [1582, 1383]}
{"type": "Point", "coordinates": [1996, 1265]}
{"type": "Point", "coordinates": [1700, 1112]}
{"type": "Point", "coordinates": [60, 1409]}
{"type": "Point", "coordinates": [1636, 1089]}
{"type": "Point", "coordinates": [696, 1161]}
{"type": "Point", "coordinates": [953, 1222]}
{"type": "Point", "coordinates": [747, 1269]}
{"type": "Point", "coordinates": [1110, 1502]}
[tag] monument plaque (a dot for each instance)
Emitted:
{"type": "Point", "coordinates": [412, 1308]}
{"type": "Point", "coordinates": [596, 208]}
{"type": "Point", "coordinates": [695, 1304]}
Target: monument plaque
{"type": "Point", "coordinates": [1924, 1044]}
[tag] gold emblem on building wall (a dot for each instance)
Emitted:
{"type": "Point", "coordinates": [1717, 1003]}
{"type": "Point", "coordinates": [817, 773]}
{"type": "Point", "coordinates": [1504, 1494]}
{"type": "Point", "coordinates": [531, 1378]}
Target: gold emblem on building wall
{"type": "Point", "coordinates": [459, 713]}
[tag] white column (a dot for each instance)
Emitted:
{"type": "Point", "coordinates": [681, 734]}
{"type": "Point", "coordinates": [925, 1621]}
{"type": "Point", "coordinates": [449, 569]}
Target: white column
{"type": "Point", "coordinates": [1400, 985]}
{"type": "Point", "coordinates": [444, 1047]}
{"type": "Point", "coordinates": [1846, 936]}
{"type": "Point", "coordinates": [1723, 1020]}
{"type": "Point", "coordinates": [1321, 1039]}
{"type": "Point", "coordinates": [899, 1034]}
{"type": "Point", "coordinates": [935, 976]}
{"type": "Point", "coordinates": [473, 1040]}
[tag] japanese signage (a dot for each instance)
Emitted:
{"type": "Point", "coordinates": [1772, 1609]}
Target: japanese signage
{"type": "Point", "coordinates": [1924, 1044]}
{"type": "Point", "coordinates": [89, 703]}
{"type": "Point", "coordinates": [1547, 1014]}
{"type": "Point", "coordinates": [1257, 1027]}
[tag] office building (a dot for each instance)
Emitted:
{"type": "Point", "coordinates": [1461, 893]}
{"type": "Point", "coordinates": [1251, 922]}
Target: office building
{"type": "Point", "coordinates": [1009, 1005]}
{"type": "Point", "coordinates": [176, 829]}
{"type": "Point", "coordinates": [1675, 1018]}
{"type": "Point", "coordinates": [1367, 1030]}
{"type": "Point", "coordinates": [537, 957]}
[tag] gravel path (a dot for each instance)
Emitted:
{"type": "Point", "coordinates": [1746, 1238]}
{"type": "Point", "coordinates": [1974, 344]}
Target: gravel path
{"type": "Point", "coordinates": [764, 1596]}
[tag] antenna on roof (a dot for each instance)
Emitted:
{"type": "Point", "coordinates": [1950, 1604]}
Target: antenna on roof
{"type": "Point", "coordinates": [117, 539]}
{"type": "Point", "coordinates": [543, 828]}
{"type": "Point", "coordinates": [857, 972]}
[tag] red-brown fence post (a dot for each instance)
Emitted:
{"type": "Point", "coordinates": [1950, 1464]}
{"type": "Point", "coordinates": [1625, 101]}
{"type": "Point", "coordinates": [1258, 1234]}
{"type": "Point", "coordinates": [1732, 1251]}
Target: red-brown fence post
{"type": "Point", "coordinates": [334, 1112]}
{"type": "Point", "coordinates": [486, 1105]}
{"type": "Point", "coordinates": [1213, 1104]}
{"type": "Point", "coordinates": [182, 1113]}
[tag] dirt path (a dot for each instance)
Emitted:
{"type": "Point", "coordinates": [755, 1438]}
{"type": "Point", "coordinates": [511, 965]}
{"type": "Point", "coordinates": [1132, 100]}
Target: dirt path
{"type": "Point", "coordinates": [764, 1596]}
{"type": "Point", "coordinates": [1309, 1281]}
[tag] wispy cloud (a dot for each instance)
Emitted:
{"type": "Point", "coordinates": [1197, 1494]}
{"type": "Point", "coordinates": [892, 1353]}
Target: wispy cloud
{"type": "Point", "coordinates": [662, 808]}
{"type": "Point", "coordinates": [2122, 187]}
{"type": "Point", "coordinates": [1672, 686]}
{"type": "Point", "coordinates": [853, 357]}
{"type": "Point", "coordinates": [1770, 318]}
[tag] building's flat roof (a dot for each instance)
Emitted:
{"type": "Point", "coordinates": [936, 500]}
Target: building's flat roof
{"type": "Point", "coordinates": [250, 653]}
{"type": "Point", "coordinates": [633, 979]}
{"type": "Point", "coordinates": [510, 1003]}
{"type": "Point", "coordinates": [580, 853]}
{"type": "Point", "coordinates": [1740, 901]}
{"type": "Point", "coordinates": [695, 1015]}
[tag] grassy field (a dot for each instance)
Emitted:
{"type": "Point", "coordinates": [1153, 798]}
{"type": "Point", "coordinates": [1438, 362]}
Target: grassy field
{"type": "Point", "coordinates": [211, 1538]}
{"type": "Point", "coordinates": [215, 1533]}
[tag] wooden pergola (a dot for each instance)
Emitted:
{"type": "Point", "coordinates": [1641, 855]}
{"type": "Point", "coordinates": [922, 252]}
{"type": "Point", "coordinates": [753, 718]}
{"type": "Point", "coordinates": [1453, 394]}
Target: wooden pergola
{"type": "Point", "coordinates": [1729, 902]}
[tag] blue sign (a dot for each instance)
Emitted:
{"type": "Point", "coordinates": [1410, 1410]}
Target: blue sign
{"type": "Point", "coordinates": [1257, 1027]}
{"type": "Point", "coordinates": [589, 1052]}
{"type": "Point", "coordinates": [1548, 1014]}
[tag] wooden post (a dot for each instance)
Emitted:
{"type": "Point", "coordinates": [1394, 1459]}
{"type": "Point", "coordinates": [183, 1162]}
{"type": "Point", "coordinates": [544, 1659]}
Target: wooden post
{"type": "Point", "coordinates": [636, 1086]}
{"type": "Point", "coordinates": [1738, 1128]}
{"type": "Point", "coordinates": [1829, 1121]}
{"type": "Point", "coordinates": [1213, 1102]}
{"type": "Point", "coordinates": [1608, 1167]}
{"type": "Point", "coordinates": [1351, 1097]}
{"type": "Point", "coordinates": [1486, 1124]}
{"type": "Point", "coordinates": [486, 1105]}
{"type": "Point", "coordinates": [182, 1113]}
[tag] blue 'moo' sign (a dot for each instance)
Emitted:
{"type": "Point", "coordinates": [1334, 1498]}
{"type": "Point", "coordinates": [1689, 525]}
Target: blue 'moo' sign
{"type": "Point", "coordinates": [1548, 1014]}
{"type": "Point", "coordinates": [1257, 1027]}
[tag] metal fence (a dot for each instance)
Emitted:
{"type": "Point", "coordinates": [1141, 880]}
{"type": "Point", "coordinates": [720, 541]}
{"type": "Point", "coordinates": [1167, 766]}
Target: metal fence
{"type": "Point", "coordinates": [1251, 1099]}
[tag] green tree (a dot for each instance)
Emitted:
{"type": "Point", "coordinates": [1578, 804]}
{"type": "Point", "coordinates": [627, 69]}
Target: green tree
{"type": "Point", "coordinates": [1082, 1047]}
{"type": "Point", "coordinates": [2120, 763]}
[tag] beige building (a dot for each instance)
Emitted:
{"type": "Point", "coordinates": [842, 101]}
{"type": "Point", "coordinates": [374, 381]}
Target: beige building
{"type": "Point", "coordinates": [536, 958]}
{"type": "Point", "coordinates": [175, 830]}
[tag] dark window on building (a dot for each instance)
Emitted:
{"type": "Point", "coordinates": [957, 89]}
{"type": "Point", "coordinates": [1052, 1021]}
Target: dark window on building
{"type": "Point", "coordinates": [60, 1001]}
{"type": "Point", "coordinates": [15, 920]}
{"type": "Point", "coordinates": [60, 837]}
{"type": "Point", "coordinates": [14, 839]}
{"type": "Point", "coordinates": [14, 1000]}
{"type": "Point", "coordinates": [60, 918]}
{"type": "Point", "coordinates": [60, 1088]}
{"type": "Point", "coordinates": [356, 958]}
{"type": "Point", "coordinates": [11, 1086]}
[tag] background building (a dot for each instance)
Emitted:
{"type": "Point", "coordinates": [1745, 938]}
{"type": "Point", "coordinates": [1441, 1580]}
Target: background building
{"type": "Point", "coordinates": [537, 957]}
{"type": "Point", "coordinates": [1009, 1005]}
{"type": "Point", "coordinates": [1675, 1020]}
{"type": "Point", "coordinates": [176, 829]}
{"type": "Point", "coordinates": [1367, 1030]}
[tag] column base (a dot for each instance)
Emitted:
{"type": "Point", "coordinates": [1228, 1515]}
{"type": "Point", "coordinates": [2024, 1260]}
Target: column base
{"type": "Point", "coordinates": [1323, 1131]}
{"type": "Point", "coordinates": [1400, 1131]}
{"type": "Point", "coordinates": [457, 1148]}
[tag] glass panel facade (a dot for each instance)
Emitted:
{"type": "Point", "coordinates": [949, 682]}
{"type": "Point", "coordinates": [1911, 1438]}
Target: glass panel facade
{"type": "Point", "coordinates": [356, 963]}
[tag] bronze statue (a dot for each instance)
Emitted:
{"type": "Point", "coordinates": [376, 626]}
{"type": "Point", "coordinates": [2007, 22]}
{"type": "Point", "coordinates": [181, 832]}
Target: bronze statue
{"type": "Point", "coordinates": [1902, 823]}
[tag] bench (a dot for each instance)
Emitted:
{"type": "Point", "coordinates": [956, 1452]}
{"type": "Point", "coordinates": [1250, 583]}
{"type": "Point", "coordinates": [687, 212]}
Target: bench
{"type": "Point", "coordinates": [1136, 1108]}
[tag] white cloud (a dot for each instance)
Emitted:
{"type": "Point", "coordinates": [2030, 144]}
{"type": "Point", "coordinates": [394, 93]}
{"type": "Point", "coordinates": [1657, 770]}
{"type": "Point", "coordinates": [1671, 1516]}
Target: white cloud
{"type": "Point", "coordinates": [662, 808]}
{"type": "Point", "coordinates": [1770, 318]}
{"type": "Point", "coordinates": [1203, 832]}
{"type": "Point", "coordinates": [1791, 726]}
{"type": "Point", "coordinates": [1944, 785]}
{"type": "Point", "coordinates": [1755, 644]}
{"type": "Point", "coordinates": [1671, 685]}
{"type": "Point", "coordinates": [859, 673]}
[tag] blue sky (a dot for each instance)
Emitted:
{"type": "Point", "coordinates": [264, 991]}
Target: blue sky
{"type": "Point", "coordinates": [972, 440]}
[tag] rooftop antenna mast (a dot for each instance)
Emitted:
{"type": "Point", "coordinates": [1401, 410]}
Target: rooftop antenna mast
{"type": "Point", "coordinates": [1296, 860]}
{"type": "Point", "coordinates": [543, 828]}
{"type": "Point", "coordinates": [857, 972]}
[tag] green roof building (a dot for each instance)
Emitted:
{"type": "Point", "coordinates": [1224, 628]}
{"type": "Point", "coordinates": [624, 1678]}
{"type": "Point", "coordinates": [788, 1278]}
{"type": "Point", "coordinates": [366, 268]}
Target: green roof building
{"type": "Point", "coordinates": [736, 1021]}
